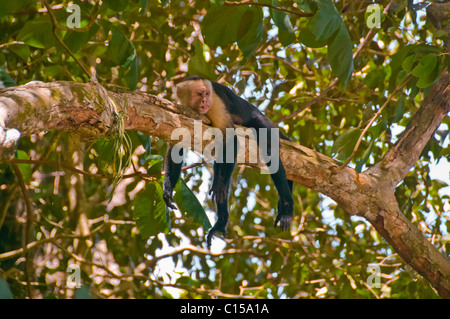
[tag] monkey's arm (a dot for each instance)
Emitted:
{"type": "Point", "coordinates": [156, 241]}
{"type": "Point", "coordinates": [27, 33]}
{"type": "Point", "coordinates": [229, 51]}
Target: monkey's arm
{"type": "Point", "coordinates": [172, 172]}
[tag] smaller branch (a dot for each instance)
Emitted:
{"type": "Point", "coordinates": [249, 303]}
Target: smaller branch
{"type": "Point", "coordinates": [3, 45]}
{"type": "Point", "coordinates": [254, 3]}
{"type": "Point", "coordinates": [309, 104]}
{"type": "Point", "coordinates": [91, 21]}
{"type": "Point", "coordinates": [355, 149]}
{"type": "Point", "coordinates": [274, 57]}
{"type": "Point", "coordinates": [55, 33]}
{"type": "Point", "coordinates": [94, 175]}
{"type": "Point", "coordinates": [200, 251]}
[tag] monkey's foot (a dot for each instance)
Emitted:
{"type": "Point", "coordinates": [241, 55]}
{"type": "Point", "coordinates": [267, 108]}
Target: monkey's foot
{"type": "Point", "coordinates": [211, 233]}
{"type": "Point", "coordinates": [167, 196]}
{"type": "Point", "coordinates": [284, 221]}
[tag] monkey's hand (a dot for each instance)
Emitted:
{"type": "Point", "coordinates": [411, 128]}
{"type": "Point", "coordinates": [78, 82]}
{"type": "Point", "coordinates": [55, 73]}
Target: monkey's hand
{"type": "Point", "coordinates": [285, 213]}
{"type": "Point", "coordinates": [218, 192]}
{"type": "Point", "coordinates": [168, 198]}
{"type": "Point", "coordinates": [215, 229]}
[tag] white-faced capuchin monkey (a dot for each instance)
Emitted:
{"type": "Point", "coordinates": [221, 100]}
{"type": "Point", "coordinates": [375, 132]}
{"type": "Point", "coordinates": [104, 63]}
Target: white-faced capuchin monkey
{"type": "Point", "coordinates": [225, 108]}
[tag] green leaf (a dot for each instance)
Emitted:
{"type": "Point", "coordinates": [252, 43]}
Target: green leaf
{"type": "Point", "coordinates": [226, 25]}
{"type": "Point", "coordinates": [280, 18]}
{"type": "Point", "coordinates": [408, 63]}
{"type": "Point", "coordinates": [123, 53]}
{"type": "Point", "coordinates": [150, 210]}
{"type": "Point", "coordinates": [25, 169]}
{"type": "Point", "coordinates": [5, 79]}
{"type": "Point", "coordinates": [250, 31]}
{"type": "Point", "coordinates": [197, 64]}
{"type": "Point", "coordinates": [345, 143]}
{"type": "Point", "coordinates": [286, 33]}
{"type": "Point", "coordinates": [155, 163]}
{"type": "Point", "coordinates": [308, 6]}
{"type": "Point", "coordinates": [399, 109]}
{"type": "Point", "coordinates": [286, 38]}
{"type": "Point", "coordinates": [129, 71]}
{"type": "Point", "coordinates": [116, 5]}
{"type": "Point", "coordinates": [340, 55]}
{"type": "Point", "coordinates": [309, 39]}
{"type": "Point", "coordinates": [76, 40]}
{"type": "Point", "coordinates": [426, 65]}
{"type": "Point", "coordinates": [21, 50]}
{"type": "Point", "coordinates": [38, 33]}
{"type": "Point", "coordinates": [365, 157]}
{"type": "Point", "coordinates": [427, 80]}
{"type": "Point", "coordinates": [218, 3]}
{"type": "Point", "coordinates": [120, 47]}
{"type": "Point", "coordinates": [8, 7]}
{"type": "Point", "coordinates": [327, 28]}
{"type": "Point", "coordinates": [188, 204]}
{"type": "Point", "coordinates": [220, 25]}
{"type": "Point", "coordinates": [326, 21]}
{"type": "Point", "coordinates": [374, 78]}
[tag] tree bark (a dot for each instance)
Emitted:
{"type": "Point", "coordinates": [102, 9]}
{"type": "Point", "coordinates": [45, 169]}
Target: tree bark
{"type": "Point", "coordinates": [90, 110]}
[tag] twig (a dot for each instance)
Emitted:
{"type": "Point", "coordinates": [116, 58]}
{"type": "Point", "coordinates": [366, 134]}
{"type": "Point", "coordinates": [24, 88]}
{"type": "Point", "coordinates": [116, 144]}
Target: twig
{"type": "Point", "coordinates": [91, 21]}
{"type": "Point", "coordinates": [355, 149]}
{"type": "Point", "coordinates": [55, 33]}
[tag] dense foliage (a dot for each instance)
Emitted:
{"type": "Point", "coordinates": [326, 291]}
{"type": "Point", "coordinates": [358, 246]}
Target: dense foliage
{"type": "Point", "coordinates": [279, 60]}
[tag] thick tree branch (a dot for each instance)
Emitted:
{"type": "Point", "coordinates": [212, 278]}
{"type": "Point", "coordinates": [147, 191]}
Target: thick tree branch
{"type": "Point", "coordinates": [89, 109]}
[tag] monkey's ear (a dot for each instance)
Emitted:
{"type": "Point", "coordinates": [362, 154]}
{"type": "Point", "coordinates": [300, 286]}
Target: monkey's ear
{"type": "Point", "coordinates": [182, 92]}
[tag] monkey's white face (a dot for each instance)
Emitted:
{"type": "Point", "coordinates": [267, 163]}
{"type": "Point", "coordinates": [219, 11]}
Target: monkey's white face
{"type": "Point", "coordinates": [201, 97]}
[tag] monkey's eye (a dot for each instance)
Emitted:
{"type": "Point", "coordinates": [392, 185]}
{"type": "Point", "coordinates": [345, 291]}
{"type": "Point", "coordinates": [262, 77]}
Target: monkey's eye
{"type": "Point", "coordinates": [199, 94]}
{"type": "Point", "coordinates": [207, 93]}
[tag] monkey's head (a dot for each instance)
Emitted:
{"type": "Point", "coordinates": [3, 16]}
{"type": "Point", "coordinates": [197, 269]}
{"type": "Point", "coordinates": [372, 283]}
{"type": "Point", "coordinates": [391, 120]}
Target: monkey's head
{"type": "Point", "coordinates": [195, 93]}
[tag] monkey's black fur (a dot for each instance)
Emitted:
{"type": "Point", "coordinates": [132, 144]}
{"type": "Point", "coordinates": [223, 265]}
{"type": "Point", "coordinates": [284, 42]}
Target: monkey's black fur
{"type": "Point", "coordinates": [245, 114]}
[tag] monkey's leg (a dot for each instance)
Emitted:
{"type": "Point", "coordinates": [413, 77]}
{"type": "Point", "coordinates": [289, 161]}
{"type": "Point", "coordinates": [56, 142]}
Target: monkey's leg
{"type": "Point", "coordinates": [282, 184]}
{"type": "Point", "coordinates": [172, 172]}
{"type": "Point", "coordinates": [220, 193]}
{"type": "Point", "coordinates": [221, 187]}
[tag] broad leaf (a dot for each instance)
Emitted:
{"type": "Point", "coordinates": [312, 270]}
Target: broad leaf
{"type": "Point", "coordinates": [197, 64]}
{"type": "Point", "coordinates": [326, 21]}
{"type": "Point", "coordinates": [123, 53]}
{"type": "Point", "coordinates": [250, 31]}
{"type": "Point", "coordinates": [340, 55]}
{"type": "Point", "coordinates": [345, 143]}
{"type": "Point", "coordinates": [25, 169]}
{"type": "Point", "coordinates": [188, 204]}
{"type": "Point", "coordinates": [38, 33]}
{"type": "Point", "coordinates": [150, 210]}
{"type": "Point", "coordinates": [220, 25]}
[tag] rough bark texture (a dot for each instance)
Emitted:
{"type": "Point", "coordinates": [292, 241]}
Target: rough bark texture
{"type": "Point", "coordinates": [89, 109]}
